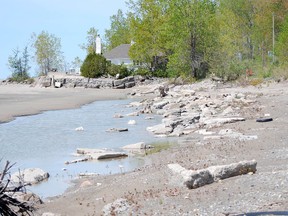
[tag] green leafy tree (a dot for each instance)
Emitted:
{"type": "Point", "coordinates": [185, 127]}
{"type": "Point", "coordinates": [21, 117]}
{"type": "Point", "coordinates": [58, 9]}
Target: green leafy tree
{"type": "Point", "coordinates": [191, 34]}
{"type": "Point", "coordinates": [90, 45]}
{"type": "Point", "coordinates": [19, 65]}
{"type": "Point", "coordinates": [119, 32]}
{"type": "Point", "coordinates": [147, 26]}
{"type": "Point", "coordinates": [94, 66]}
{"type": "Point", "coordinates": [282, 42]}
{"type": "Point", "coordinates": [47, 51]}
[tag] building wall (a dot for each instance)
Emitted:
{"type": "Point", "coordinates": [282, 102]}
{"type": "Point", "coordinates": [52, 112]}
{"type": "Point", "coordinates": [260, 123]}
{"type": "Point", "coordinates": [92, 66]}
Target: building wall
{"type": "Point", "coordinates": [126, 62]}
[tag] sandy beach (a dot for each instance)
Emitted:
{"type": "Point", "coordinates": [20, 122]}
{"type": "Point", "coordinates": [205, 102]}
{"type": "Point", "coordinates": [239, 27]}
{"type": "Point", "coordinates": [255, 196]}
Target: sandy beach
{"type": "Point", "coordinates": [154, 189]}
{"type": "Point", "coordinates": [21, 100]}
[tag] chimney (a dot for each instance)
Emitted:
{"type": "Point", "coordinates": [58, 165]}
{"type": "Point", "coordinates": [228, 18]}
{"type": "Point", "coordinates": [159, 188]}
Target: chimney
{"type": "Point", "coordinates": [98, 45]}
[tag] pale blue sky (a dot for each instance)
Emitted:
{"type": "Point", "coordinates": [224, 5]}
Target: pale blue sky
{"type": "Point", "coordinates": [67, 19]}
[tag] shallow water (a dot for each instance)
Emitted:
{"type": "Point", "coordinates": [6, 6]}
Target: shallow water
{"type": "Point", "coordinates": [49, 139]}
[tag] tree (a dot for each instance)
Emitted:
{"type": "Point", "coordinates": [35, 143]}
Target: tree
{"type": "Point", "coordinates": [94, 65]}
{"type": "Point", "coordinates": [282, 42]}
{"type": "Point", "coordinates": [147, 26]}
{"type": "Point", "coordinates": [119, 32]}
{"type": "Point", "coordinates": [47, 51]}
{"type": "Point", "coordinates": [19, 65]}
{"type": "Point", "coordinates": [191, 34]}
{"type": "Point", "coordinates": [77, 62]}
{"type": "Point", "coordinates": [90, 46]}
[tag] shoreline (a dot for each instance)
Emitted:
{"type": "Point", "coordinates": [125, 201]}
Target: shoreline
{"type": "Point", "coordinates": [23, 100]}
{"type": "Point", "coordinates": [154, 188]}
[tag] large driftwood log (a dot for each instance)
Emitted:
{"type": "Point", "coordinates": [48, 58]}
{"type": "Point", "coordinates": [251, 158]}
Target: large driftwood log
{"type": "Point", "coordinates": [9, 204]}
{"type": "Point", "coordinates": [198, 178]}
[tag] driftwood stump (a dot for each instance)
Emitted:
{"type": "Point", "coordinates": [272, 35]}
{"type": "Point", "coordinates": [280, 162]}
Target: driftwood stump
{"type": "Point", "coordinates": [9, 204]}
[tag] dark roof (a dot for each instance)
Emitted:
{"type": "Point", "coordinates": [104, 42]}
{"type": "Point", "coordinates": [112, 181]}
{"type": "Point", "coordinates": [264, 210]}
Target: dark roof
{"type": "Point", "coordinates": [120, 51]}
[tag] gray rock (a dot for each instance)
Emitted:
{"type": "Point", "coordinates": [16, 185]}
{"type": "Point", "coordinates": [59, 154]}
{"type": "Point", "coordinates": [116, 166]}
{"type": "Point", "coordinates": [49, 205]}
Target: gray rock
{"type": "Point", "coordinates": [107, 155]}
{"type": "Point", "coordinates": [117, 130]}
{"type": "Point", "coordinates": [160, 129]}
{"type": "Point", "coordinates": [50, 214]}
{"type": "Point", "coordinates": [130, 84]}
{"type": "Point", "coordinates": [31, 175]}
{"type": "Point", "coordinates": [140, 145]}
{"type": "Point", "coordinates": [194, 179]}
{"type": "Point", "coordinates": [216, 122]}
{"type": "Point", "coordinates": [160, 104]}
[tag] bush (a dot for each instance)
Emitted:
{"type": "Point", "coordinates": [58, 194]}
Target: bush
{"type": "Point", "coordinates": [94, 66]}
{"type": "Point", "coordinates": [142, 72]}
{"type": "Point", "coordinates": [123, 71]}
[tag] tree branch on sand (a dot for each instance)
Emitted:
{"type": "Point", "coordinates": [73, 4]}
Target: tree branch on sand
{"type": "Point", "coordinates": [9, 205]}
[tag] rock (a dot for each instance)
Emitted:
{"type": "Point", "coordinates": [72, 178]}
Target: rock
{"type": "Point", "coordinates": [26, 197]}
{"type": "Point", "coordinates": [77, 161]}
{"type": "Point", "coordinates": [216, 122]}
{"type": "Point", "coordinates": [160, 105]}
{"type": "Point", "coordinates": [228, 111]}
{"type": "Point", "coordinates": [99, 154]}
{"type": "Point", "coordinates": [117, 130]}
{"type": "Point", "coordinates": [131, 122]}
{"type": "Point", "coordinates": [118, 116]}
{"type": "Point", "coordinates": [79, 129]}
{"type": "Point", "coordinates": [133, 114]}
{"type": "Point", "coordinates": [107, 155]}
{"type": "Point", "coordinates": [120, 86]}
{"type": "Point", "coordinates": [31, 175]}
{"type": "Point", "coordinates": [140, 145]}
{"type": "Point", "coordinates": [58, 84]}
{"type": "Point", "coordinates": [85, 184]}
{"type": "Point", "coordinates": [88, 174]}
{"type": "Point", "coordinates": [130, 84]}
{"type": "Point", "coordinates": [160, 129]}
{"type": "Point", "coordinates": [188, 93]}
{"type": "Point", "coordinates": [197, 178]}
{"type": "Point", "coordinates": [50, 214]}
{"type": "Point", "coordinates": [118, 207]}
{"type": "Point", "coordinates": [86, 151]}
{"type": "Point", "coordinates": [163, 90]}
{"type": "Point", "coordinates": [204, 132]}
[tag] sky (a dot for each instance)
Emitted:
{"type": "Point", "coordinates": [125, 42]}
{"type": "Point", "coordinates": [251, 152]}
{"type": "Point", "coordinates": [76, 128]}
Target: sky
{"type": "Point", "coordinates": [68, 20]}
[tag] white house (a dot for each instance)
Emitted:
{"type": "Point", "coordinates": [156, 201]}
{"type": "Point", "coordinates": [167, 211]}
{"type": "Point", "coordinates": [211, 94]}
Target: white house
{"type": "Point", "coordinates": [120, 55]}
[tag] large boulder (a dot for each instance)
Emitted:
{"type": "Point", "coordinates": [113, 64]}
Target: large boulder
{"type": "Point", "coordinates": [31, 175]}
{"type": "Point", "coordinates": [140, 145]}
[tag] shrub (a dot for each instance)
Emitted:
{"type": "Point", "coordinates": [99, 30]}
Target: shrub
{"type": "Point", "coordinates": [123, 71]}
{"type": "Point", "coordinates": [142, 72]}
{"type": "Point", "coordinates": [94, 66]}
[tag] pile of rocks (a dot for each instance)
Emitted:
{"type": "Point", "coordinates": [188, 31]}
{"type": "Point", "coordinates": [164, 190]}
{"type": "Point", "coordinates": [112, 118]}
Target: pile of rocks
{"type": "Point", "coordinates": [67, 82]}
{"type": "Point", "coordinates": [185, 111]}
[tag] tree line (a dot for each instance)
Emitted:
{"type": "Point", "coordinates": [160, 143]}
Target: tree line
{"type": "Point", "coordinates": [200, 37]}
{"type": "Point", "coordinates": [189, 38]}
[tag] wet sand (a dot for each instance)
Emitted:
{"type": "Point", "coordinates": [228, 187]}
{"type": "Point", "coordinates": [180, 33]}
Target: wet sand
{"type": "Point", "coordinates": [21, 100]}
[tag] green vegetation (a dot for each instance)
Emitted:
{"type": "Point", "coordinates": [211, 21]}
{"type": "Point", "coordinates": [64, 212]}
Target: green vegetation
{"type": "Point", "coordinates": [95, 65]}
{"type": "Point", "coordinates": [48, 52]}
{"type": "Point", "coordinates": [19, 65]}
{"type": "Point", "coordinates": [191, 39]}
{"type": "Point", "coordinates": [90, 45]}
{"type": "Point", "coordinates": [158, 147]}
{"type": "Point", "coordinates": [198, 38]}
{"type": "Point", "coordinates": [123, 71]}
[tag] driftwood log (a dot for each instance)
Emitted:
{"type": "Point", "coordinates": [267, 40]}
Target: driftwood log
{"type": "Point", "coordinates": [9, 205]}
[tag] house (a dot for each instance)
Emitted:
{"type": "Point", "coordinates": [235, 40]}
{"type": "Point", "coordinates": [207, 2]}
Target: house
{"type": "Point", "coordinates": [119, 55]}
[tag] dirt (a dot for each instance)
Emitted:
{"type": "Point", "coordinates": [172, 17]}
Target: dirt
{"type": "Point", "coordinates": [154, 190]}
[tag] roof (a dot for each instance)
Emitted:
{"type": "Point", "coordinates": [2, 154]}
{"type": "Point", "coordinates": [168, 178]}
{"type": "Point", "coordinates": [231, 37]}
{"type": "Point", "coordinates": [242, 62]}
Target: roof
{"type": "Point", "coordinates": [120, 51]}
